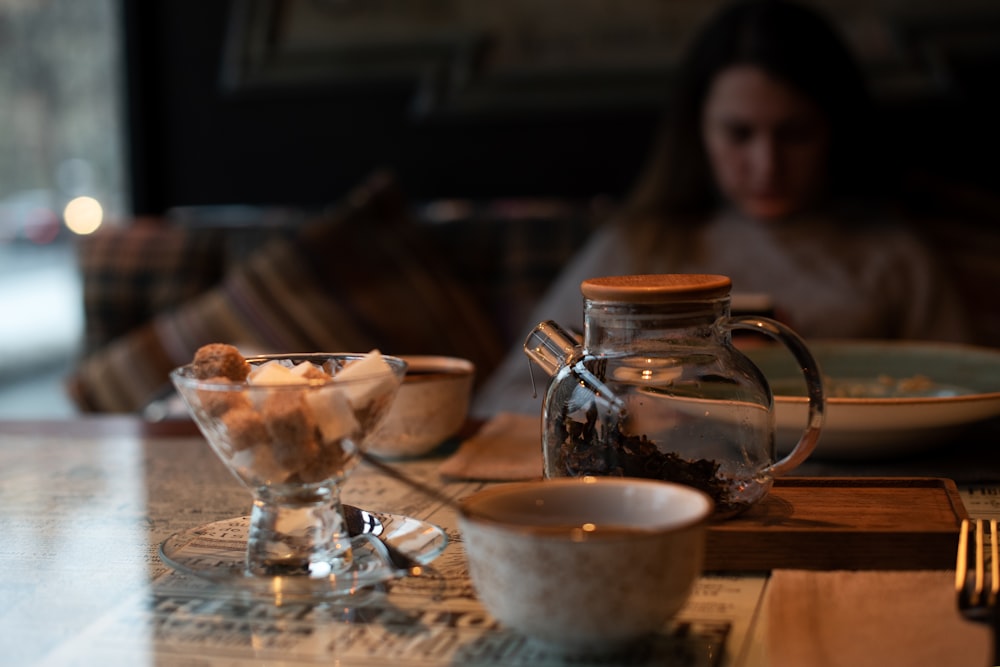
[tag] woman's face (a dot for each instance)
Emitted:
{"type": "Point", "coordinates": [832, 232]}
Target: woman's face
{"type": "Point", "coordinates": [767, 144]}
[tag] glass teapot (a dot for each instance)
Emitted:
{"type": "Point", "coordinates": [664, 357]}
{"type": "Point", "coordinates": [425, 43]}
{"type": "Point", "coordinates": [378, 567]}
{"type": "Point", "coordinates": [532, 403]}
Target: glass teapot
{"type": "Point", "coordinates": [658, 390]}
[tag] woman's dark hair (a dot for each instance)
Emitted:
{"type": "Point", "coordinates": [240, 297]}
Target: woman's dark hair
{"type": "Point", "coordinates": [792, 43]}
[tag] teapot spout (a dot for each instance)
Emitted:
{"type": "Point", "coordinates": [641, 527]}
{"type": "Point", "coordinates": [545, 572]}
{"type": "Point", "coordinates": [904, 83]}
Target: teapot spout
{"type": "Point", "coordinates": [550, 346]}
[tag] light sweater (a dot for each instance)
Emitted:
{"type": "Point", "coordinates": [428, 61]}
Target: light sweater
{"type": "Point", "coordinates": [824, 280]}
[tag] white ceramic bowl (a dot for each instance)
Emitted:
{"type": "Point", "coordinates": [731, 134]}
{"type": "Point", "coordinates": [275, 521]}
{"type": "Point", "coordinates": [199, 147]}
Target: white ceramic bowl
{"type": "Point", "coordinates": [585, 563]}
{"type": "Point", "coordinates": [430, 407]}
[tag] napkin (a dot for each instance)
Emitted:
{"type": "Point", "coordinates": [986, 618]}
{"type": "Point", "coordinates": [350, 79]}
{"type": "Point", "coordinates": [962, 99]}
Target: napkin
{"type": "Point", "coordinates": [507, 448]}
{"type": "Point", "coordinates": [870, 618]}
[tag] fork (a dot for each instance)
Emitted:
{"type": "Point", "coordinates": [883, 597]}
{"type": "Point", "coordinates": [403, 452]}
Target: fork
{"type": "Point", "coordinates": [977, 575]}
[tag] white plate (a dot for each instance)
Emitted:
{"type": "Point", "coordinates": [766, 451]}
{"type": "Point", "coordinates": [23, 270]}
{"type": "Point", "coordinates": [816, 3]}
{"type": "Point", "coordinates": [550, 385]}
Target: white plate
{"type": "Point", "coordinates": [884, 398]}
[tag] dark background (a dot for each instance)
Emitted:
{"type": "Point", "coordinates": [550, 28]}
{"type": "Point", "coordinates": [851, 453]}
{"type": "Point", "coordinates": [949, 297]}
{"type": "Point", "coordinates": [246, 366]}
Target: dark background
{"type": "Point", "coordinates": [195, 141]}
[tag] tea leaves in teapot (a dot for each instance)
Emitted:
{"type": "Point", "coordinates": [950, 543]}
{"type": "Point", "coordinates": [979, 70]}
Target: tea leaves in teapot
{"type": "Point", "coordinates": [596, 446]}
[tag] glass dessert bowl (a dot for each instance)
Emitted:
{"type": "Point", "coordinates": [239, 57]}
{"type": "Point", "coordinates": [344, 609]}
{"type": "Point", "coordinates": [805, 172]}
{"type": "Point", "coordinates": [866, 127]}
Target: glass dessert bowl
{"type": "Point", "coordinates": [290, 428]}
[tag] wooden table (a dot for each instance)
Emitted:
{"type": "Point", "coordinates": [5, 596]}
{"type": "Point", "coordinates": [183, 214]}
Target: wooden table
{"type": "Point", "coordinates": [85, 503]}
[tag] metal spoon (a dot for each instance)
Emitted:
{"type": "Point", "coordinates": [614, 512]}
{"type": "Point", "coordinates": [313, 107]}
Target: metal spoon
{"type": "Point", "coordinates": [359, 522]}
{"type": "Point", "coordinates": [362, 523]}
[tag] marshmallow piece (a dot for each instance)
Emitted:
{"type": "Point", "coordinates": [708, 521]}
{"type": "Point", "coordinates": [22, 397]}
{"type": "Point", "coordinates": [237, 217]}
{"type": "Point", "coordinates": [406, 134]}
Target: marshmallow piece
{"type": "Point", "coordinates": [291, 426]}
{"type": "Point", "coordinates": [333, 413]}
{"type": "Point", "coordinates": [366, 379]}
{"type": "Point", "coordinates": [219, 360]}
{"type": "Point", "coordinates": [310, 371]}
{"type": "Point", "coordinates": [258, 465]}
{"type": "Point", "coordinates": [243, 428]}
{"type": "Point", "coordinates": [274, 373]}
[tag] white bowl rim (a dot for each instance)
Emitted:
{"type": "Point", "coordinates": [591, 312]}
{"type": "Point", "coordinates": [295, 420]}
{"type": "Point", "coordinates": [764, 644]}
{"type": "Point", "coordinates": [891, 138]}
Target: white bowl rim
{"type": "Point", "coordinates": [430, 363]}
{"type": "Point", "coordinates": [702, 516]}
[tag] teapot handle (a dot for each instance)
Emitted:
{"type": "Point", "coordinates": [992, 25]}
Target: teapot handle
{"type": "Point", "coordinates": [814, 386]}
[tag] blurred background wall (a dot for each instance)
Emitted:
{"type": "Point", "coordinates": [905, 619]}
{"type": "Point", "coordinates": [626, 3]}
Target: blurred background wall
{"type": "Point", "coordinates": [293, 101]}
{"type": "Point", "coordinates": [117, 108]}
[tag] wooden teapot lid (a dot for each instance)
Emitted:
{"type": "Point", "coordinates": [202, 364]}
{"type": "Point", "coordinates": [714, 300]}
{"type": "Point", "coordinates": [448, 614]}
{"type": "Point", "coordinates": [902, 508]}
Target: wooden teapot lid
{"type": "Point", "coordinates": [656, 288]}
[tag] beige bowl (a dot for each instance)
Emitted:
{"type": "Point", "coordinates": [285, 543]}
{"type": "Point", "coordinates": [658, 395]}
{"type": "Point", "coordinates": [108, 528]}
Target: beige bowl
{"type": "Point", "coordinates": [585, 563]}
{"type": "Point", "coordinates": [430, 407]}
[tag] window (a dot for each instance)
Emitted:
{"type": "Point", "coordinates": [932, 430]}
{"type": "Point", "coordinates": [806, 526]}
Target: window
{"type": "Point", "coordinates": [61, 110]}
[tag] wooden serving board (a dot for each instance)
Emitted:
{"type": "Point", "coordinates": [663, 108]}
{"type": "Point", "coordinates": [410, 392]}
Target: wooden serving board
{"type": "Point", "coordinates": [833, 523]}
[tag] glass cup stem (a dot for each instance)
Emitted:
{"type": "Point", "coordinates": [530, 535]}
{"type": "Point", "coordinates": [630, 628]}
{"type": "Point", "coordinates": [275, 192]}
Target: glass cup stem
{"type": "Point", "coordinates": [298, 536]}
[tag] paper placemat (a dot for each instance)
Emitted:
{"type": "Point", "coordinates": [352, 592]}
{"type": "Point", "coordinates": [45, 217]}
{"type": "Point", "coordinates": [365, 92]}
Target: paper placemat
{"type": "Point", "coordinates": [507, 448]}
{"type": "Point", "coordinates": [860, 618]}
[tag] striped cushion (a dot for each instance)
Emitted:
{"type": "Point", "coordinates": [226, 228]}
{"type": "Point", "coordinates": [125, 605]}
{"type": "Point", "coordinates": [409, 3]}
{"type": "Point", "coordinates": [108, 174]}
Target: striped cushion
{"type": "Point", "coordinates": [132, 273]}
{"type": "Point", "coordinates": [359, 279]}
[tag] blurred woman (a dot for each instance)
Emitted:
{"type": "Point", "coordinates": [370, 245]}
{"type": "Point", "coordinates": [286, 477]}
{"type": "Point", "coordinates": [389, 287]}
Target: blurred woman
{"type": "Point", "coordinates": [768, 170]}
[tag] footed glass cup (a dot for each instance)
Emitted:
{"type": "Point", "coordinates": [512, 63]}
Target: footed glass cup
{"type": "Point", "coordinates": [291, 434]}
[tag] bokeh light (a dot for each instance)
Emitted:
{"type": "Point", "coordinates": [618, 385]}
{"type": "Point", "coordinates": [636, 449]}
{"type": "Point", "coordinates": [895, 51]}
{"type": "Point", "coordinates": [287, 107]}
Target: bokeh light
{"type": "Point", "coordinates": [83, 215]}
